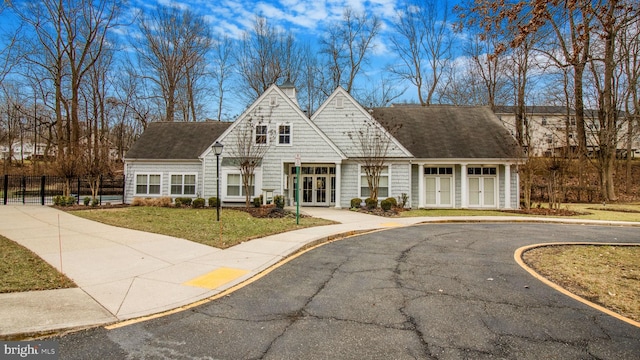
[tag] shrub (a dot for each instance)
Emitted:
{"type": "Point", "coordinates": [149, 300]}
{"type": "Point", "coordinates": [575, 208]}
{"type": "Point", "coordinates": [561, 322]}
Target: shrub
{"type": "Point", "coordinates": [86, 201]}
{"type": "Point", "coordinates": [403, 199]}
{"type": "Point", "coordinates": [60, 200]}
{"type": "Point", "coordinates": [197, 203]}
{"type": "Point", "coordinates": [138, 202]}
{"type": "Point", "coordinates": [95, 202]}
{"type": "Point", "coordinates": [355, 203]}
{"type": "Point", "coordinates": [183, 201]}
{"type": "Point", "coordinates": [387, 204]}
{"type": "Point", "coordinates": [213, 202]}
{"type": "Point", "coordinates": [278, 200]}
{"type": "Point", "coordinates": [371, 203]}
{"type": "Point", "coordinates": [164, 201]}
{"type": "Point", "coordinates": [393, 201]}
{"type": "Point", "coordinates": [257, 201]}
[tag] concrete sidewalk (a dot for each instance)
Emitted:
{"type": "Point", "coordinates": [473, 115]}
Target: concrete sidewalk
{"type": "Point", "coordinates": [124, 274]}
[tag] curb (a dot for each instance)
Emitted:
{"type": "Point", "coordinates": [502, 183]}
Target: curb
{"type": "Point", "coordinates": [518, 258]}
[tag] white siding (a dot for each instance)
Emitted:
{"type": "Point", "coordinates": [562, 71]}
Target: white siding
{"type": "Point", "coordinates": [337, 123]}
{"type": "Point", "coordinates": [349, 183]}
{"type": "Point", "coordinates": [400, 179]}
{"type": "Point", "coordinates": [165, 170]}
{"type": "Point", "coordinates": [306, 141]}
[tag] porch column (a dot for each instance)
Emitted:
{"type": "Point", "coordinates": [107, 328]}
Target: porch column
{"type": "Point", "coordinates": [464, 192]}
{"type": "Point", "coordinates": [507, 186]}
{"type": "Point", "coordinates": [421, 189]}
{"type": "Point", "coordinates": [338, 185]}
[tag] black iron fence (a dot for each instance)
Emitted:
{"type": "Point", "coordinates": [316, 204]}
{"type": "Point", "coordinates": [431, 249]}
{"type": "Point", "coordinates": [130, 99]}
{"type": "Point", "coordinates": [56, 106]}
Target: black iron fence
{"type": "Point", "coordinates": [40, 190]}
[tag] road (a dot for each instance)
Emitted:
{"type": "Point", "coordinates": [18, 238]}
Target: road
{"type": "Point", "coordinates": [438, 291]}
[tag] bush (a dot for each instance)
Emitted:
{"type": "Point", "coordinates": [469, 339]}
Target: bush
{"type": "Point", "coordinates": [388, 203]}
{"type": "Point", "coordinates": [393, 201]}
{"type": "Point", "coordinates": [197, 203]}
{"type": "Point", "coordinates": [257, 201]}
{"type": "Point", "coordinates": [371, 203]}
{"type": "Point", "coordinates": [60, 200]}
{"type": "Point", "coordinates": [164, 201]}
{"type": "Point", "coordinates": [278, 200]}
{"type": "Point", "coordinates": [355, 203]}
{"type": "Point", "coordinates": [213, 202]}
{"type": "Point", "coordinates": [86, 201]}
{"type": "Point", "coordinates": [95, 202]}
{"type": "Point", "coordinates": [403, 199]}
{"type": "Point", "coordinates": [137, 201]}
{"type": "Point", "coordinates": [183, 201]}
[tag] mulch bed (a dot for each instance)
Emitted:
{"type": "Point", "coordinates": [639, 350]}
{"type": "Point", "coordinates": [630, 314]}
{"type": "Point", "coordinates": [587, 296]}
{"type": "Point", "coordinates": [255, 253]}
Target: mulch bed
{"type": "Point", "coordinates": [270, 212]}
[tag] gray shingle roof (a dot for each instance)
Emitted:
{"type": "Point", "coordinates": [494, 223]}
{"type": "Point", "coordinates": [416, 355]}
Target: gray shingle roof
{"type": "Point", "coordinates": [449, 132]}
{"type": "Point", "coordinates": [176, 140]}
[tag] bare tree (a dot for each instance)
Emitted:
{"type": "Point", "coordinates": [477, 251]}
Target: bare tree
{"type": "Point", "coordinates": [69, 37]}
{"type": "Point", "coordinates": [266, 56]}
{"type": "Point", "coordinates": [248, 144]}
{"type": "Point", "coordinates": [630, 63]}
{"type": "Point", "coordinates": [174, 47]}
{"type": "Point", "coordinates": [381, 92]}
{"type": "Point", "coordinates": [423, 42]}
{"type": "Point", "coordinates": [346, 47]}
{"type": "Point", "coordinates": [372, 143]}
{"type": "Point", "coordinates": [223, 69]}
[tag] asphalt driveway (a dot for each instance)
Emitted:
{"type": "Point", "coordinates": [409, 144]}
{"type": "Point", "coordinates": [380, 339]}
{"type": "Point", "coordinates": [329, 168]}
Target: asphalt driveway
{"type": "Point", "coordinates": [437, 291]}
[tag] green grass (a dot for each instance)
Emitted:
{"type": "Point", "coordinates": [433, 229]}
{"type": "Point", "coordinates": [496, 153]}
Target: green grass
{"type": "Point", "coordinates": [610, 212]}
{"type": "Point", "coordinates": [198, 225]}
{"type": "Point", "coordinates": [22, 270]}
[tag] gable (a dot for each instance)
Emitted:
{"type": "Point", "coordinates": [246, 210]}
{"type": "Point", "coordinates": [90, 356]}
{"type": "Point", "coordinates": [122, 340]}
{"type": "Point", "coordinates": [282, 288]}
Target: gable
{"type": "Point", "coordinates": [340, 115]}
{"type": "Point", "coordinates": [274, 108]}
{"type": "Point", "coordinates": [450, 132]}
{"type": "Point", "coordinates": [176, 140]}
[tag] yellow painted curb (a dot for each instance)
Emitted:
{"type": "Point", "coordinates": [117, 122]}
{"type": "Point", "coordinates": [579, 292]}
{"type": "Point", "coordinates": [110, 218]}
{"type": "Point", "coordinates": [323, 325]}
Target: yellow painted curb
{"type": "Point", "coordinates": [518, 258]}
{"type": "Point", "coordinates": [216, 278]}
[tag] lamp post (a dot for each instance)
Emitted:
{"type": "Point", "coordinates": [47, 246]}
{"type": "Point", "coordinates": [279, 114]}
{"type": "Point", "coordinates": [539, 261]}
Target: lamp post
{"type": "Point", "coordinates": [217, 149]}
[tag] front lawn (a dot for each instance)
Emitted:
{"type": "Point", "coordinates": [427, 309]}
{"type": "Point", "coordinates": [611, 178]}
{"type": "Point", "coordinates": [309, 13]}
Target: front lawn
{"type": "Point", "coordinates": [198, 225]}
{"type": "Point", "coordinates": [22, 270]}
{"type": "Point", "coordinates": [608, 212]}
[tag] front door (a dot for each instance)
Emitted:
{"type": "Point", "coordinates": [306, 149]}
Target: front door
{"type": "Point", "coordinates": [438, 190]}
{"type": "Point", "coordinates": [482, 192]}
{"type": "Point", "coordinates": [317, 186]}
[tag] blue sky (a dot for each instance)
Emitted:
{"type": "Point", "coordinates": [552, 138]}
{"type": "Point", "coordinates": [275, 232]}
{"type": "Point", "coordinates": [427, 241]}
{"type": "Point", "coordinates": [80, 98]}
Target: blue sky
{"type": "Point", "coordinates": [306, 19]}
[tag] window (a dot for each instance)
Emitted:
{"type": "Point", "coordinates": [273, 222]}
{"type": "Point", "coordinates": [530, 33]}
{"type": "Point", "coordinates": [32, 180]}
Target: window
{"type": "Point", "coordinates": [261, 134]}
{"type": "Point", "coordinates": [284, 134]}
{"type": "Point", "coordinates": [183, 184]}
{"type": "Point", "coordinates": [544, 121]}
{"type": "Point", "coordinates": [235, 186]}
{"type": "Point", "coordinates": [383, 183]}
{"type": "Point", "coordinates": [339, 102]}
{"type": "Point", "coordinates": [273, 100]}
{"type": "Point", "coordinates": [481, 171]}
{"type": "Point", "coordinates": [147, 184]}
{"type": "Point", "coordinates": [438, 171]}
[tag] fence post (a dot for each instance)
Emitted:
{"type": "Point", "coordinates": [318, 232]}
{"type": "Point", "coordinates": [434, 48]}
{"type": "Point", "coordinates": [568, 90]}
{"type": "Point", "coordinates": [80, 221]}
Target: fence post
{"type": "Point", "coordinates": [78, 199]}
{"type": "Point", "coordinates": [6, 188]}
{"type": "Point", "coordinates": [24, 188]}
{"type": "Point", "coordinates": [100, 190]}
{"type": "Point", "coordinates": [42, 189]}
{"type": "Point", "coordinates": [124, 181]}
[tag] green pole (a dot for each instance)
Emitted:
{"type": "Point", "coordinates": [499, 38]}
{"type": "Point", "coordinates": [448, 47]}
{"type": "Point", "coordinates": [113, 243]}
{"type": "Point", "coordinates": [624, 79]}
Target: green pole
{"type": "Point", "coordinates": [297, 195]}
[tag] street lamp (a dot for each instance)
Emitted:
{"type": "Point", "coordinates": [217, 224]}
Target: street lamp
{"type": "Point", "coordinates": [217, 149]}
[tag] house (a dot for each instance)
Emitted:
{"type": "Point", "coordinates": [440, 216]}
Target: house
{"type": "Point", "coordinates": [552, 130]}
{"type": "Point", "coordinates": [436, 156]}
